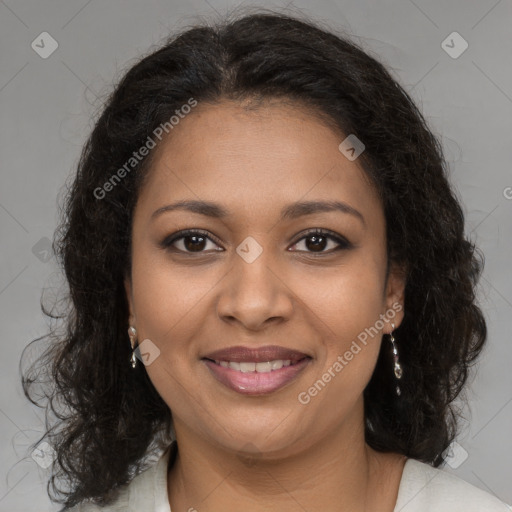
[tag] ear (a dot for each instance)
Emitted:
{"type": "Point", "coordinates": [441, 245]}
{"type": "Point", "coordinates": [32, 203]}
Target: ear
{"type": "Point", "coordinates": [129, 297]}
{"type": "Point", "coordinates": [394, 297]}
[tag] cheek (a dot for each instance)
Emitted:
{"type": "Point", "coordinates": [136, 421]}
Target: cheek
{"type": "Point", "coordinates": [352, 342]}
{"type": "Point", "coordinates": [176, 390]}
{"type": "Point", "coordinates": [166, 294]}
{"type": "Point", "coordinates": [349, 306]}
{"type": "Point", "coordinates": [351, 296]}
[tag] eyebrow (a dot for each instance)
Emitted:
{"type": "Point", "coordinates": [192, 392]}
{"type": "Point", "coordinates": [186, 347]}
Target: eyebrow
{"type": "Point", "coordinates": [289, 212]}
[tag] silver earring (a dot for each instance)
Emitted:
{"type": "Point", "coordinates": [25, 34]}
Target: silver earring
{"type": "Point", "coordinates": [132, 333]}
{"type": "Point", "coordinates": [397, 367]}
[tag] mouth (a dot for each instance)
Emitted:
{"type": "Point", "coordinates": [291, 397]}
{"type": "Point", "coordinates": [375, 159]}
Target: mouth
{"type": "Point", "coordinates": [253, 366]}
{"type": "Point", "coordinates": [256, 371]}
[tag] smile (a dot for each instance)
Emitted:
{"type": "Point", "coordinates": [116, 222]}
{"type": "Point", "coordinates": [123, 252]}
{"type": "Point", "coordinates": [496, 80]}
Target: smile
{"type": "Point", "coordinates": [256, 378]}
{"type": "Point", "coordinates": [247, 367]}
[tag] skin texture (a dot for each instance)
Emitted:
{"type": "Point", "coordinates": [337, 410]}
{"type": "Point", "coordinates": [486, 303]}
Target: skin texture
{"type": "Point", "coordinates": [270, 452]}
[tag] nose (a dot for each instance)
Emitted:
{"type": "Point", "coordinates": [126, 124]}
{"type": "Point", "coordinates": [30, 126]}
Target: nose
{"type": "Point", "coordinates": [255, 294]}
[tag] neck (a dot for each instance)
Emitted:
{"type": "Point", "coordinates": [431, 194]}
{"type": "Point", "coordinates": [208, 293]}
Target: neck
{"type": "Point", "coordinates": [338, 472]}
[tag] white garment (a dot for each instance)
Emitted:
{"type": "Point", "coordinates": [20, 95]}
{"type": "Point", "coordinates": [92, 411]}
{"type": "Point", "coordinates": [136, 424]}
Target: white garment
{"type": "Point", "coordinates": [423, 488]}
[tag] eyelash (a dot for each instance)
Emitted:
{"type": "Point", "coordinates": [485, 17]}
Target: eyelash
{"type": "Point", "coordinates": [344, 244]}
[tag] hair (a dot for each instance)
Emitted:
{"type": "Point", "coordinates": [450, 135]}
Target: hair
{"type": "Point", "coordinates": [110, 416]}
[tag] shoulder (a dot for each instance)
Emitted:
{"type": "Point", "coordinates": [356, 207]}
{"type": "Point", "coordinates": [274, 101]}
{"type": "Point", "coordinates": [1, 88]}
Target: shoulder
{"type": "Point", "coordinates": [424, 488]}
{"type": "Point", "coordinates": [147, 490]}
{"type": "Point", "coordinates": [119, 505]}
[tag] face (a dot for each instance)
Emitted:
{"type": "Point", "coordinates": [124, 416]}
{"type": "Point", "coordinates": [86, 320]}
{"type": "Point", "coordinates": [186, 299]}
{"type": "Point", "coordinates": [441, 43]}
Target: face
{"type": "Point", "coordinates": [288, 306]}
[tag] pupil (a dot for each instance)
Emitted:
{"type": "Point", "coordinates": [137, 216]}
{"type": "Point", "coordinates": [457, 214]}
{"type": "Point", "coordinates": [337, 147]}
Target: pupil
{"type": "Point", "coordinates": [197, 244]}
{"type": "Point", "coordinates": [194, 246]}
{"type": "Point", "coordinates": [315, 240]}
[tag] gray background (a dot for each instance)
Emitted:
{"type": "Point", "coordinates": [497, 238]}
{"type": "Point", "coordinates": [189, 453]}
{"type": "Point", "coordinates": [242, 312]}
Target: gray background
{"type": "Point", "coordinates": [46, 110]}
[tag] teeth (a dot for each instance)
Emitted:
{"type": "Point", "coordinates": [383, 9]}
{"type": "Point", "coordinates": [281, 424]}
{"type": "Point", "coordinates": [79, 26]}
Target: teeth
{"type": "Point", "coordinates": [247, 367]}
{"type": "Point", "coordinates": [263, 367]}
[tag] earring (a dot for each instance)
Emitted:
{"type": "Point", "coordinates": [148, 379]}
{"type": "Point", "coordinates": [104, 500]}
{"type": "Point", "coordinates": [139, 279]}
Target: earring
{"type": "Point", "coordinates": [397, 367]}
{"type": "Point", "coordinates": [132, 333]}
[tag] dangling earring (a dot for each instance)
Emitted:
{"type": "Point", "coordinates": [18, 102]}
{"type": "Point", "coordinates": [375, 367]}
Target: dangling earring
{"type": "Point", "coordinates": [132, 333]}
{"type": "Point", "coordinates": [397, 367]}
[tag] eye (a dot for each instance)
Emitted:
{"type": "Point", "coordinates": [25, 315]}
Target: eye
{"type": "Point", "coordinates": [317, 240]}
{"type": "Point", "coordinates": [196, 241]}
{"type": "Point", "coordinates": [190, 240]}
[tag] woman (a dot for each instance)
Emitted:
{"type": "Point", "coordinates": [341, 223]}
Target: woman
{"type": "Point", "coordinates": [272, 295]}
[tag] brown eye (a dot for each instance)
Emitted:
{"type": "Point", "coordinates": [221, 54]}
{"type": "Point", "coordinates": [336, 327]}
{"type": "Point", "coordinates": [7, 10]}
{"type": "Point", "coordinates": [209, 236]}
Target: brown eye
{"type": "Point", "coordinates": [190, 241]}
{"type": "Point", "coordinates": [318, 240]}
{"type": "Point", "coordinates": [194, 243]}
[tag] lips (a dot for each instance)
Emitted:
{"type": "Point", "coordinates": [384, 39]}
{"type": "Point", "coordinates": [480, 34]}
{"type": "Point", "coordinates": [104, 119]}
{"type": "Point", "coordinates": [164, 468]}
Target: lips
{"type": "Point", "coordinates": [267, 353]}
{"type": "Point", "coordinates": [256, 371]}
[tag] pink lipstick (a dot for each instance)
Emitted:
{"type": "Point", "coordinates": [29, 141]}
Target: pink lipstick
{"type": "Point", "coordinates": [256, 371]}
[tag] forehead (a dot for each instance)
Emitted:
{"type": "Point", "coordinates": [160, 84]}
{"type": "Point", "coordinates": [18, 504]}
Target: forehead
{"type": "Point", "coordinates": [255, 160]}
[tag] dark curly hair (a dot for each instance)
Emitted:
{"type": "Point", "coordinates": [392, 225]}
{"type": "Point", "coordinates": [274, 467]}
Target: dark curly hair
{"type": "Point", "coordinates": [109, 417]}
